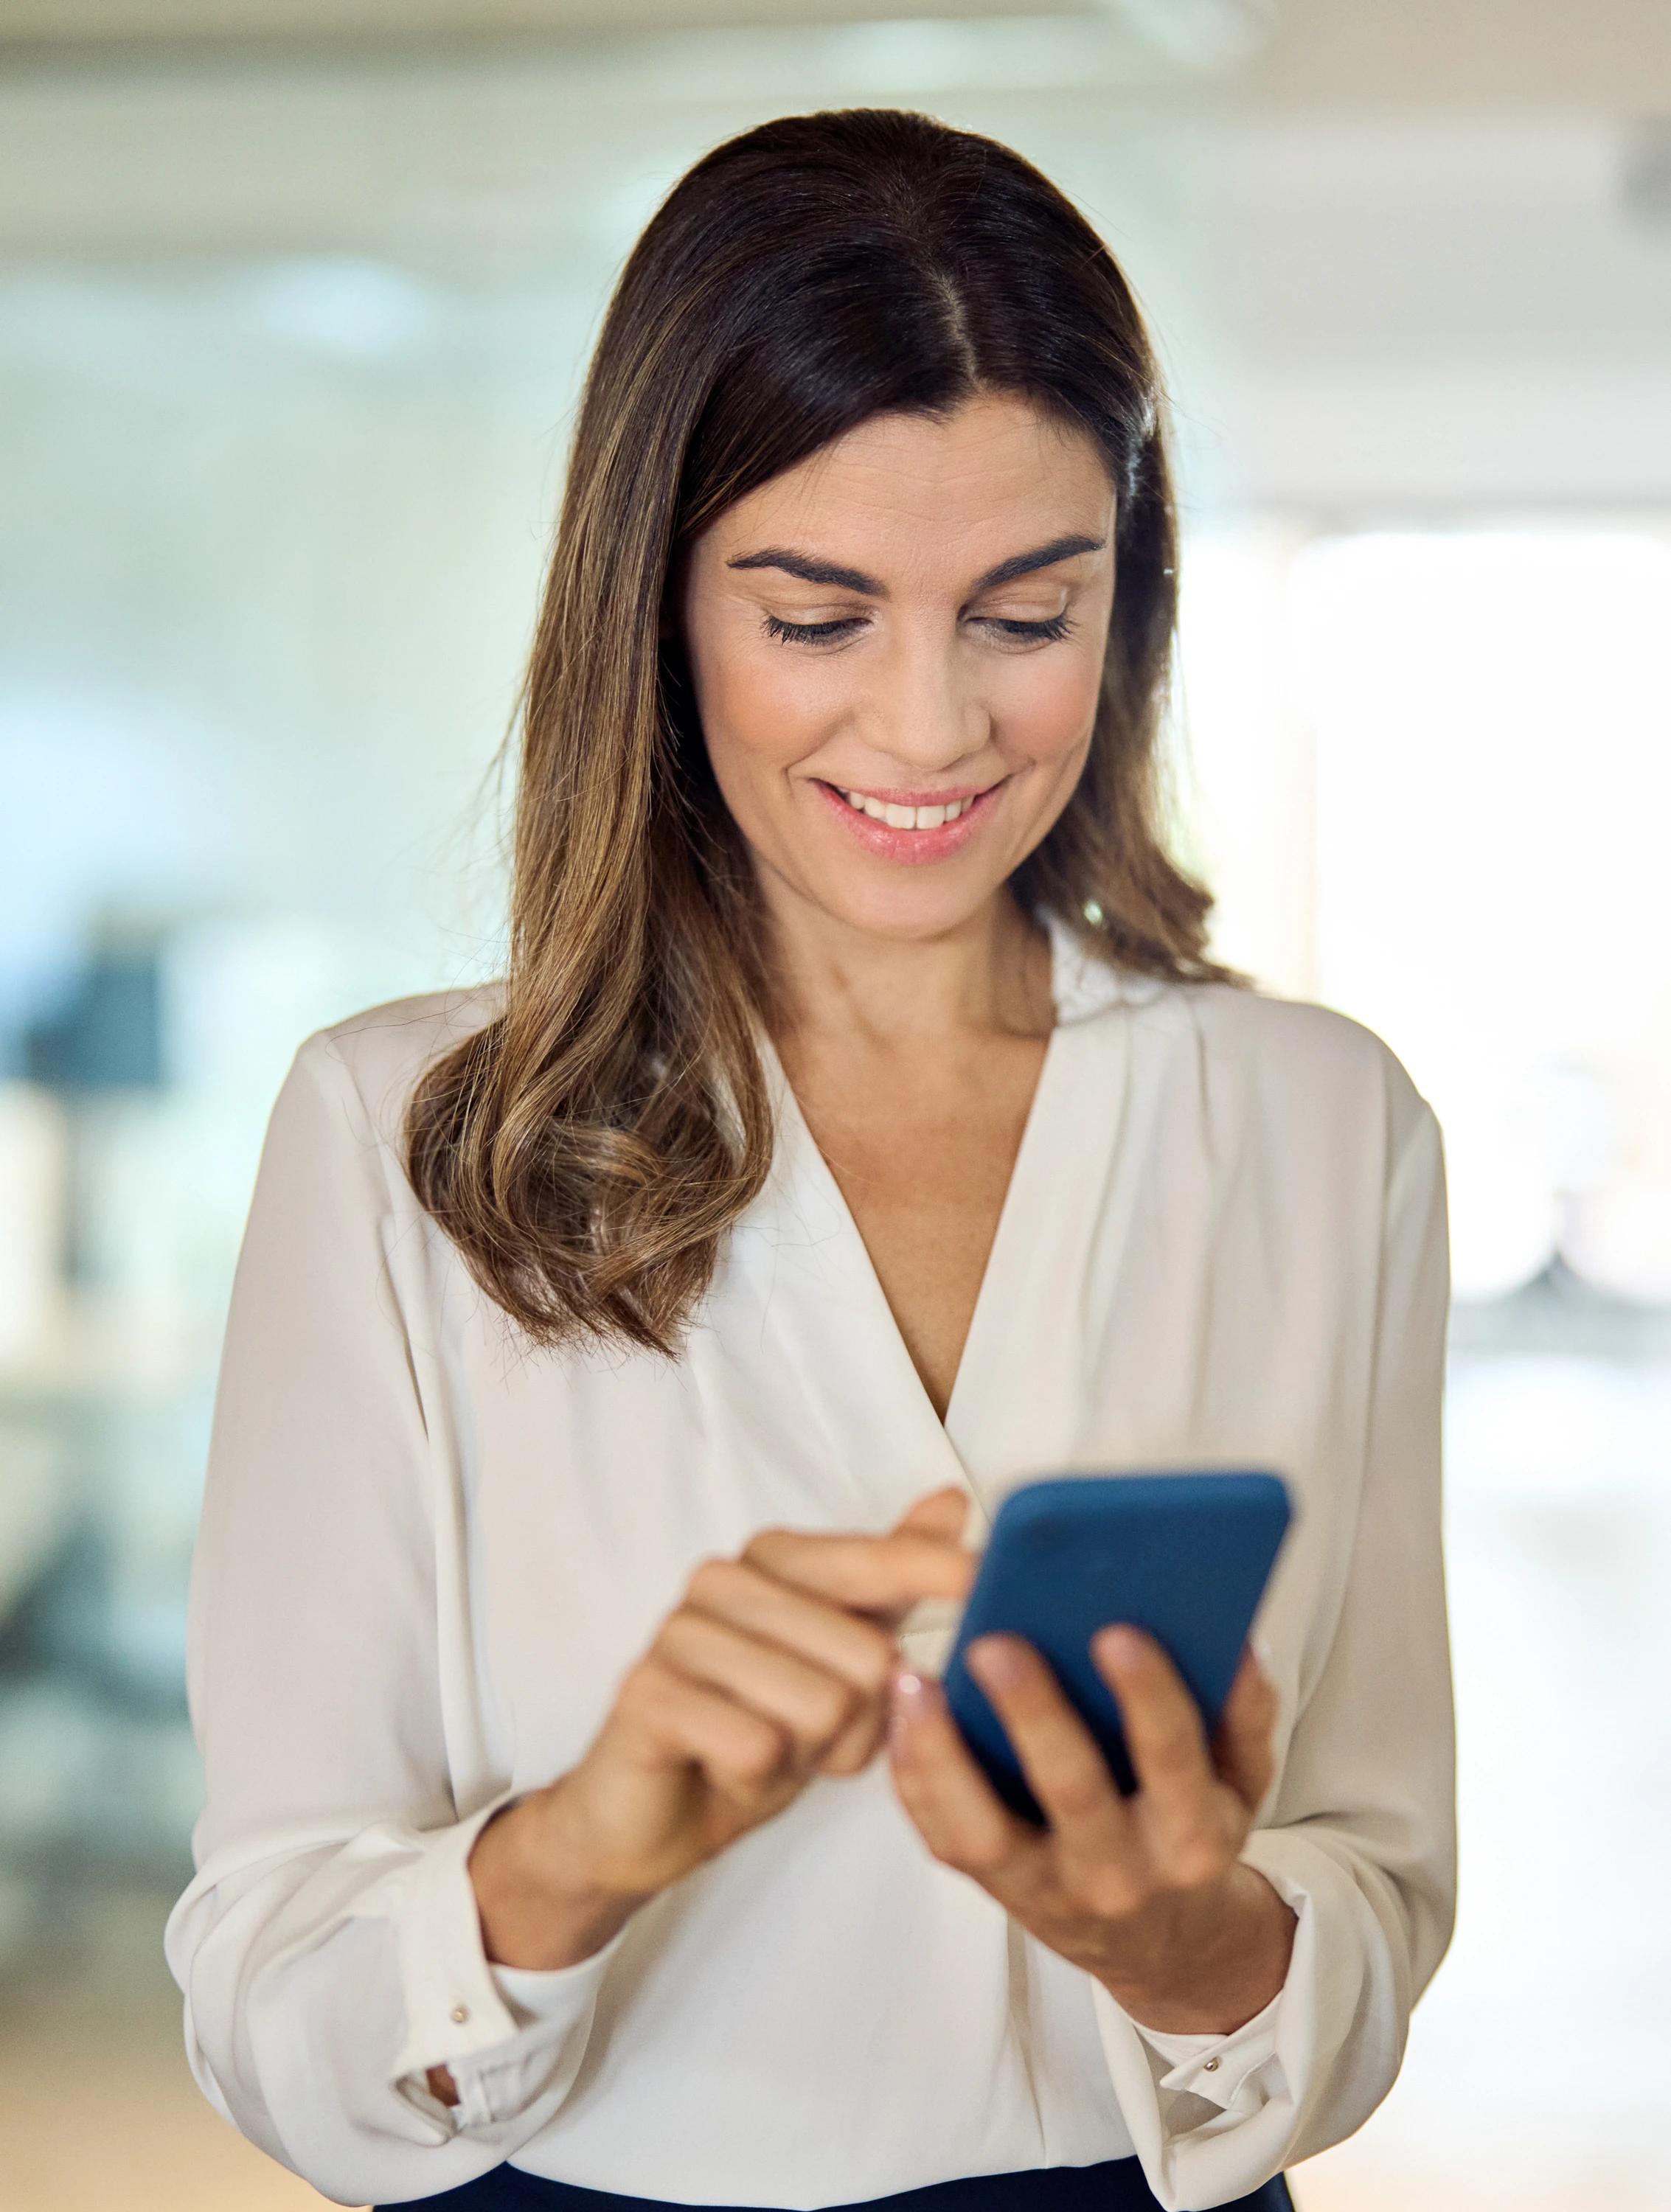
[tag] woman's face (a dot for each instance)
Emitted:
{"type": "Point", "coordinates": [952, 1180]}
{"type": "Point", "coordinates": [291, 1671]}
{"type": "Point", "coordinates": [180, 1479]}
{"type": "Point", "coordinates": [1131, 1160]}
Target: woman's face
{"type": "Point", "coordinates": [897, 648]}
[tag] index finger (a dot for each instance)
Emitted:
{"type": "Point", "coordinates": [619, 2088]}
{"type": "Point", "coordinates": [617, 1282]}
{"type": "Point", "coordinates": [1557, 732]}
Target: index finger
{"type": "Point", "coordinates": [938, 1513]}
{"type": "Point", "coordinates": [1161, 1722]}
{"type": "Point", "coordinates": [871, 1574]}
{"type": "Point", "coordinates": [1193, 1825]}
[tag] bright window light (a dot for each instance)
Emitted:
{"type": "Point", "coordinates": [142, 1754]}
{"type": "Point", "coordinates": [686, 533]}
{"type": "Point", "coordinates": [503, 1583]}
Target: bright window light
{"type": "Point", "coordinates": [1492, 716]}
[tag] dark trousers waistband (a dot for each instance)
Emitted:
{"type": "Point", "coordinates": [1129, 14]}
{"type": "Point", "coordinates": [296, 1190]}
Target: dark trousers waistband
{"type": "Point", "coordinates": [1117, 2185]}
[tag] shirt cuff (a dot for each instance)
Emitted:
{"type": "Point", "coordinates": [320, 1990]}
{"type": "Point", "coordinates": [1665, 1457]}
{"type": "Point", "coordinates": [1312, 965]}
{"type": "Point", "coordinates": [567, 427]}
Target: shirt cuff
{"type": "Point", "coordinates": [454, 2007]}
{"type": "Point", "coordinates": [510, 2038]}
{"type": "Point", "coordinates": [1219, 2068]}
{"type": "Point", "coordinates": [1211, 2134]}
{"type": "Point", "coordinates": [554, 1996]}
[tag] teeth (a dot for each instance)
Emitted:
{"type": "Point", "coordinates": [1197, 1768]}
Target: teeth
{"type": "Point", "coordinates": [906, 818]}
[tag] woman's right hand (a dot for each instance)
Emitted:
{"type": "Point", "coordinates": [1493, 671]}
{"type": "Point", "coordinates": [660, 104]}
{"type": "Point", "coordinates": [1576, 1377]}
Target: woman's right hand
{"type": "Point", "coordinates": [774, 1669]}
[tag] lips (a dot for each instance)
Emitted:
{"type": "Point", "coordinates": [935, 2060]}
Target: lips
{"type": "Point", "coordinates": [911, 816]}
{"type": "Point", "coordinates": [908, 826]}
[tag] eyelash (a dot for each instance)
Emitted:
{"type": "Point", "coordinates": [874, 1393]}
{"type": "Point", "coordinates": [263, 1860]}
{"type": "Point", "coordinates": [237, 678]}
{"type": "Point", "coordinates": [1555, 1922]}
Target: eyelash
{"type": "Point", "coordinates": [788, 633]}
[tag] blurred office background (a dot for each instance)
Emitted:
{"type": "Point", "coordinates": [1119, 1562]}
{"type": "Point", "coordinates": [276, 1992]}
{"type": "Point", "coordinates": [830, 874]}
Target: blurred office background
{"type": "Point", "coordinates": [294, 299]}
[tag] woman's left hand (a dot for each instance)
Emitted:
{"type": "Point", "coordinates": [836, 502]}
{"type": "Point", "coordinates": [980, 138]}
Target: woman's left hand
{"type": "Point", "coordinates": [1146, 1892]}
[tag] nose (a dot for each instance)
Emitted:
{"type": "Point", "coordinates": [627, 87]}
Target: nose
{"type": "Point", "coordinates": [926, 711]}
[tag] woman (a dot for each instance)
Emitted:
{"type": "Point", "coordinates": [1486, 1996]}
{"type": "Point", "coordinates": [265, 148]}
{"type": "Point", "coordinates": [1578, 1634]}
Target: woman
{"type": "Point", "coordinates": [615, 1358]}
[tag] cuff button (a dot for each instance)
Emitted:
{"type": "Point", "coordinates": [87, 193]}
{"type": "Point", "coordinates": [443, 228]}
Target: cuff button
{"type": "Point", "coordinates": [461, 2014]}
{"type": "Point", "coordinates": [1208, 2066]}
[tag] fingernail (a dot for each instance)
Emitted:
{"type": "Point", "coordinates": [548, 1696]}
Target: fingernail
{"type": "Point", "coordinates": [910, 1696]}
{"type": "Point", "coordinates": [997, 1663]}
{"type": "Point", "coordinates": [1120, 1647]}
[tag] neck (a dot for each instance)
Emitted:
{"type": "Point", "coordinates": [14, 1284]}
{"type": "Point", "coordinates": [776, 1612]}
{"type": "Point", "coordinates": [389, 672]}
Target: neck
{"type": "Point", "coordinates": [989, 976]}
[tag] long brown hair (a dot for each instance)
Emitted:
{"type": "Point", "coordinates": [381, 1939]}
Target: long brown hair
{"type": "Point", "coordinates": [587, 1149]}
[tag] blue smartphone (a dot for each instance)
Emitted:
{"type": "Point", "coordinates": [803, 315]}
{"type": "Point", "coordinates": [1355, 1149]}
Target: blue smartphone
{"type": "Point", "coordinates": [1185, 1556]}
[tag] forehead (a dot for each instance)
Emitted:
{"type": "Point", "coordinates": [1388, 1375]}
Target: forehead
{"type": "Point", "coordinates": [992, 479]}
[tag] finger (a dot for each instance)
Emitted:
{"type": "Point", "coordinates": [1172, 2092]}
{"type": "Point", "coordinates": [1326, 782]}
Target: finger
{"type": "Point", "coordinates": [1101, 1851]}
{"type": "Point", "coordinates": [775, 1611]}
{"type": "Point", "coordinates": [871, 1574]}
{"type": "Point", "coordinates": [1243, 1750]}
{"type": "Point", "coordinates": [811, 1704]}
{"type": "Point", "coordinates": [672, 1720]}
{"type": "Point", "coordinates": [860, 1741]}
{"type": "Point", "coordinates": [956, 1810]}
{"type": "Point", "coordinates": [941, 1513]}
{"type": "Point", "coordinates": [1184, 1812]}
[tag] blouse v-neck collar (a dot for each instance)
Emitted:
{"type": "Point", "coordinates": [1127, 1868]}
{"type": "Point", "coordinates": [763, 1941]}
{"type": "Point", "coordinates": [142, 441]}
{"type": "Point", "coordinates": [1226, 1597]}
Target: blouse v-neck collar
{"type": "Point", "coordinates": [1028, 1319]}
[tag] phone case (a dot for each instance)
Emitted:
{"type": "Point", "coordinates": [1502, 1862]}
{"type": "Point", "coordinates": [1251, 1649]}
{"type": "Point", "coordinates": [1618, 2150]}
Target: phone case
{"type": "Point", "coordinates": [1185, 1556]}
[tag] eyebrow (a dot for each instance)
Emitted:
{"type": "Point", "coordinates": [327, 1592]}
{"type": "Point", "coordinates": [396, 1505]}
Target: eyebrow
{"type": "Point", "coordinates": [811, 571]}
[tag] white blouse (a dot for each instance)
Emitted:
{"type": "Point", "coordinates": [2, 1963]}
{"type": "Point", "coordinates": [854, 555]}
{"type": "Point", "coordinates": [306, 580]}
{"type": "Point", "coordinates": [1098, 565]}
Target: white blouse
{"type": "Point", "coordinates": [429, 1553]}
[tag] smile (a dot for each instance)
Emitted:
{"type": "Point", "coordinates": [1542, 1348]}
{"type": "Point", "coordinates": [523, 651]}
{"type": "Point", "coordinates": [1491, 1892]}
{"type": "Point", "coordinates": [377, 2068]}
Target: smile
{"type": "Point", "coordinates": [909, 817]}
{"type": "Point", "coordinates": [909, 828]}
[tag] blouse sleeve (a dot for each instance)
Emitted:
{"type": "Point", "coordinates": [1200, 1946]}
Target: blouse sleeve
{"type": "Point", "coordinates": [329, 1948]}
{"type": "Point", "coordinates": [1360, 1837]}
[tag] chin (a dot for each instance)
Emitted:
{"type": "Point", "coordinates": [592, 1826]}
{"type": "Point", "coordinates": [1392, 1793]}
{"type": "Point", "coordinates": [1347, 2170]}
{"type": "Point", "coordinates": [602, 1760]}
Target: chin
{"type": "Point", "coordinates": [908, 913]}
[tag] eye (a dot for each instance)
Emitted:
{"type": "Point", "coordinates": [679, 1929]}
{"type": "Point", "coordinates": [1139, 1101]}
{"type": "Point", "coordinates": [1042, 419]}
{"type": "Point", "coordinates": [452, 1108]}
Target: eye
{"type": "Point", "coordinates": [1027, 633]}
{"type": "Point", "coordinates": [823, 633]}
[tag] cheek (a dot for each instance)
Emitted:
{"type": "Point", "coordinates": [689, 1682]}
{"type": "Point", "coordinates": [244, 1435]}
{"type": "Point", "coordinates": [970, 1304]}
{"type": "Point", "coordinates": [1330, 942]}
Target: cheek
{"type": "Point", "coordinates": [1049, 703]}
{"type": "Point", "coordinates": [758, 702]}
